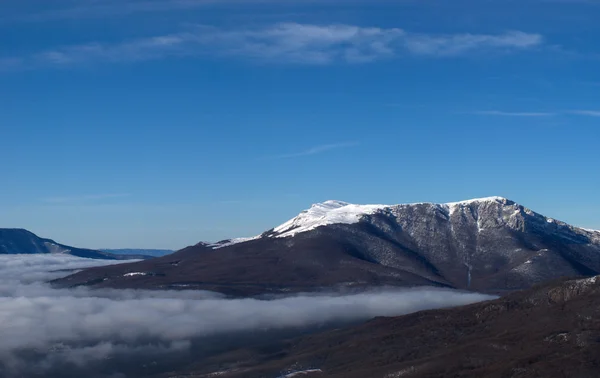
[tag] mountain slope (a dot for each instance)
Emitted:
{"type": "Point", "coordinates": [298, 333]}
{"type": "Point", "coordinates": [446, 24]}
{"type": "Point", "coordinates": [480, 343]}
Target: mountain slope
{"type": "Point", "coordinates": [139, 252]}
{"type": "Point", "coordinates": [548, 331]}
{"type": "Point", "coordinates": [19, 241]}
{"type": "Point", "coordinates": [490, 245]}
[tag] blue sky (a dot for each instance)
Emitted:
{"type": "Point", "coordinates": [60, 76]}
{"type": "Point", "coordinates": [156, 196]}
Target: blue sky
{"type": "Point", "coordinates": [158, 123]}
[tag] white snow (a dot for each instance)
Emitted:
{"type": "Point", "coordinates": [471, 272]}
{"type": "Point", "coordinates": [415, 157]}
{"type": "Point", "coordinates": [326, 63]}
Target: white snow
{"type": "Point", "coordinates": [300, 373]}
{"type": "Point", "coordinates": [402, 373]}
{"type": "Point", "coordinates": [590, 230]}
{"type": "Point", "coordinates": [454, 206]}
{"type": "Point", "coordinates": [135, 274]}
{"type": "Point", "coordinates": [476, 200]}
{"type": "Point", "coordinates": [326, 213]}
{"type": "Point", "coordinates": [227, 243]}
{"type": "Point", "coordinates": [586, 283]}
{"type": "Point", "coordinates": [591, 280]}
{"type": "Point", "coordinates": [339, 212]}
{"type": "Point", "coordinates": [220, 373]}
{"type": "Point", "coordinates": [56, 249]}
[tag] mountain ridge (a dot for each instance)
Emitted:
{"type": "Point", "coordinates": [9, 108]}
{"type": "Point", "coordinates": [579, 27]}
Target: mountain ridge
{"type": "Point", "coordinates": [490, 245]}
{"type": "Point", "coordinates": [148, 252]}
{"type": "Point", "coordinates": [324, 213]}
{"type": "Point", "coordinates": [22, 241]}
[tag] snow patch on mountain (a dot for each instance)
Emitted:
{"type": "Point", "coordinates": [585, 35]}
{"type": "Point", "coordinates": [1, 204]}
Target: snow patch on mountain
{"type": "Point", "coordinates": [590, 281]}
{"type": "Point", "coordinates": [302, 373]}
{"type": "Point", "coordinates": [228, 242]}
{"type": "Point", "coordinates": [455, 206]}
{"type": "Point", "coordinates": [323, 214]}
{"type": "Point", "coordinates": [132, 274]}
{"type": "Point", "coordinates": [477, 201]}
{"type": "Point", "coordinates": [55, 248]}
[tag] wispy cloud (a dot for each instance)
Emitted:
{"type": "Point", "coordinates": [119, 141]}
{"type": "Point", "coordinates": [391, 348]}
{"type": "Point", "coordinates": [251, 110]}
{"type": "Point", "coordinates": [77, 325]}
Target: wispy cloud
{"type": "Point", "coordinates": [590, 2]}
{"type": "Point", "coordinates": [513, 114]}
{"type": "Point", "coordinates": [590, 113]}
{"type": "Point", "coordinates": [286, 43]}
{"type": "Point", "coordinates": [447, 45]}
{"type": "Point", "coordinates": [316, 150]}
{"type": "Point", "coordinates": [84, 198]}
{"type": "Point", "coordinates": [499, 113]}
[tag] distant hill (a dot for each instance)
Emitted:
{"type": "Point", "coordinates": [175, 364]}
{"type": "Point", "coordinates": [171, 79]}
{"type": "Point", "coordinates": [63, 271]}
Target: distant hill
{"type": "Point", "coordinates": [142, 252]}
{"type": "Point", "coordinates": [19, 241]}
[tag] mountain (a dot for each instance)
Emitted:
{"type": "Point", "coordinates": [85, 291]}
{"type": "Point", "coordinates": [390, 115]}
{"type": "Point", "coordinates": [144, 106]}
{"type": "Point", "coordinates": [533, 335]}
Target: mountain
{"type": "Point", "coordinates": [19, 241]}
{"type": "Point", "coordinates": [548, 331]}
{"type": "Point", "coordinates": [139, 252]}
{"type": "Point", "coordinates": [490, 245]}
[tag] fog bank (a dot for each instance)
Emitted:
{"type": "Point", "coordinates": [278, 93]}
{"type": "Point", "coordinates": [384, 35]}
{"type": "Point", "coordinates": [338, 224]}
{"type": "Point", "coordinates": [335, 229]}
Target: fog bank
{"type": "Point", "coordinates": [42, 327]}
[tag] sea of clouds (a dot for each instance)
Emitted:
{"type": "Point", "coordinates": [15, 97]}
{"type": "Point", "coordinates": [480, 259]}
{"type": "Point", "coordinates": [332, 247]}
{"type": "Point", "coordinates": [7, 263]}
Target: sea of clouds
{"type": "Point", "coordinates": [46, 331]}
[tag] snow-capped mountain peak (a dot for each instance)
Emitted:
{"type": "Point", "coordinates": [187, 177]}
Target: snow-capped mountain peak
{"type": "Point", "coordinates": [339, 212]}
{"type": "Point", "coordinates": [332, 204]}
{"type": "Point", "coordinates": [319, 214]}
{"type": "Point", "coordinates": [455, 206]}
{"type": "Point", "coordinates": [325, 213]}
{"type": "Point", "coordinates": [480, 200]}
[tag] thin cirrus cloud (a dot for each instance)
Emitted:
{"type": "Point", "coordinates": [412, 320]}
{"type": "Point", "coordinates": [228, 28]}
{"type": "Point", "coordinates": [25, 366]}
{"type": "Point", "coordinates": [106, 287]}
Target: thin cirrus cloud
{"type": "Point", "coordinates": [286, 43]}
{"type": "Point", "coordinates": [316, 150]}
{"type": "Point", "coordinates": [589, 113]}
{"type": "Point", "coordinates": [499, 113]}
{"type": "Point", "coordinates": [85, 198]}
{"type": "Point", "coordinates": [513, 114]}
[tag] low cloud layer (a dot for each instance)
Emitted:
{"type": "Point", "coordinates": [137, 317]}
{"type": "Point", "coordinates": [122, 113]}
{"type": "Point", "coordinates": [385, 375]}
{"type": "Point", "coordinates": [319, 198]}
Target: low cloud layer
{"type": "Point", "coordinates": [43, 328]}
